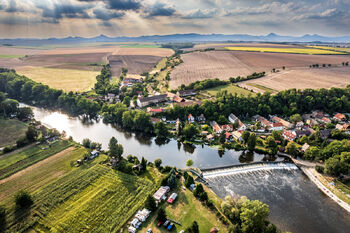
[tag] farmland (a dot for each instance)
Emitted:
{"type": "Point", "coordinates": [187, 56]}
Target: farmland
{"type": "Point", "coordinates": [285, 50]}
{"type": "Point", "coordinates": [302, 79]}
{"type": "Point", "coordinates": [14, 163]}
{"type": "Point", "coordinates": [10, 131]}
{"type": "Point", "coordinates": [231, 89]}
{"type": "Point", "coordinates": [65, 79]}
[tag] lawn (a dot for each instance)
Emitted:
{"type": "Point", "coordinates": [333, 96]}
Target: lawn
{"type": "Point", "coordinates": [11, 130]}
{"type": "Point", "coordinates": [8, 56]}
{"type": "Point", "coordinates": [261, 87]}
{"type": "Point", "coordinates": [185, 210]}
{"type": "Point", "coordinates": [93, 199]}
{"type": "Point", "coordinates": [230, 88]}
{"type": "Point", "coordinates": [286, 50]}
{"type": "Point", "coordinates": [65, 79]}
{"type": "Point", "coordinates": [16, 162]}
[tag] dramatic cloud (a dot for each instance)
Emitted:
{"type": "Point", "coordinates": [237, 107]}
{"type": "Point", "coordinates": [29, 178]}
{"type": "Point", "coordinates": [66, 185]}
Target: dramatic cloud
{"type": "Point", "coordinates": [138, 17]}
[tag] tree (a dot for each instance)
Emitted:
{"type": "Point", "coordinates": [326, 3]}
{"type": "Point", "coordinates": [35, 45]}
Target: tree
{"type": "Point", "coordinates": [23, 199]}
{"type": "Point", "coordinates": [161, 217]}
{"type": "Point", "coordinates": [271, 145]}
{"type": "Point", "coordinates": [188, 181]}
{"type": "Point", "coordinates": [158, 163]}
{"type": "Point", "coordinates": [254, 216]}
{"type": "Point", "coordinates": [277, 135]}
{"type": "Point", "coordinates": [24, 113]}
{"type": "Point", "coordinates": [312, 153]}
{"type": "Point", "coordinates": [189, 163]}
{"type": "Point", "coordinates": [190, 131]}
{"type": "Point", "coordinates": [32, 133]}
{"type": "Point", "coordinates": [115, 149]}
{"type": "Point", "coordinates": [143, 163]}
{"type": "Point", "coordinates": [126, 101]}
{"type": "Point", "coordinates": [193, 228]}
{"type": "Point", "coordinates": [292, 148]}
{"type": "Point", "coordinates": [86, 142]}
{"type": "Point", "coordinates": [245, 136]}
{"type": "Point", "coordinates": [334, 166]}
{"type": "Point", "coordinates": [222, 120]}
{"type": "Point", "coordinates": [251, 141]}
{"type": "Point", "coordinates": [161, 130]}
{"type": "Point", "coordinates": [150, 203]}
{"type": "Point", "coordinates": [295, 118]}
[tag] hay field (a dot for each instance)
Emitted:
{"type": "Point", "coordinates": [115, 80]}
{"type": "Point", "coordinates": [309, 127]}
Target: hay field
{"type": "Point", "coordinates": [206, 65]}
{"type": "Point", "coordinates": [220, 46]}
{"type": "Point", "coordinates": [310, 51]}
{"type": "Point", "coordinates": [230, 89]}
{"type": "Point", "coordinates": [65, 79]}
{"type": "Point", "coordinates": [301, 79]}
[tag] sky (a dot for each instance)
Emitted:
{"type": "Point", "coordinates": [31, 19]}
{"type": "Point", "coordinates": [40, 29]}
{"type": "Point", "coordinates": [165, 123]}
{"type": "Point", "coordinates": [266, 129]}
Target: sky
{"type": "Point", "coordinates": [89, 18]}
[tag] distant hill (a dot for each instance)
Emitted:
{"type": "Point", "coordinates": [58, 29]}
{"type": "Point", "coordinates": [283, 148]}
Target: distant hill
{"type": "Point", "coordinates": [191, 37]}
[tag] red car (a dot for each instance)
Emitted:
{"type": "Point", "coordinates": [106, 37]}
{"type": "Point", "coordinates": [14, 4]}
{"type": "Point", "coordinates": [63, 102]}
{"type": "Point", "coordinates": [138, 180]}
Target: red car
{"type": "Point", "coordinates": [159, 224]}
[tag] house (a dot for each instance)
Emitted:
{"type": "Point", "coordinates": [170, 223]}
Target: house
{"type": "Point", "coordinates": [326, 120]}
{"type": "Point", "coordinates": [217, 129]}
{"type": "Point", "coordinates": [288, 135]}
{"type": "Point", "coordinates": [317, 114]}
{"type": "Point", "coordinates": [213, 230]}
{"type": "Point", "coordinates": [145, 101]}
{"type": "Point", "coordinates": [299, 124]}
{"type": "Point", "coordinates": [339, 126]}
{"type": "Point", "coordinates": [228, 127]}
{"type": "Point", "coordinates": [305, 147]}
{"type": "Point", "coordinates": [237, 136]}
{"type": "Point", "coordinates": [325, 133]}
{"type": "Point", "coordinates": [228, 136]}
{"type": "Point", "coordinates": [172, 198]}
{"type": "Point", "coordinates": [155, 120]}
{"type": "Point", "coordinates": [94, 154]}
{"type": "Point", "coordinates": [160, 195]}
{"type": "Point", "coordinates": [185, 93]}
{"type": "Point", "coordinates": [153, 111]}
{"type": "Point", "coordinates": [170, 95]}
{"type": "Point", "coordinates": [277, 126]}
{"type": "Point", "coordinates": [201, 118]}
{"type": "Point", "coordinates": [286, 124]}
{"type": "Point", "coordinates": [190, 118]}
{"type": "Point", "coordinates": [204, 133]}
{"type": "Point", "coordinates": [264, 122]}
{"type": "Point", "coordinates": [339, 117]}
{"type": "Point", "coordinates": [311, 122]}
{"type": "Point", "coordinates": [178, 99]}
{"type": "Point", "coordinates": [210, 137]}
{"type": "Point", "coordinates": [300, 133]}
{"type": "Point", "coordinates": [233, 119]}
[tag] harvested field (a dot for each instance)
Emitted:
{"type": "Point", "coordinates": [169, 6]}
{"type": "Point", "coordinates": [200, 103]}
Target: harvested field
{"type": "Point", "coordinates": [65, 79]}
{"type": "Point", "coordinates": [223, 45]}
{"type": "Point", "coordinates": [285, 50]}
{"type": "Point", "coordinates": [136, 64]}
{"type": "Point", "coordinates": [302, 79]}
{"type": "Point", "coordinates": [206, 65]}
{"type": "Point", "coordinates": [160, 52]}
{"type": "Point", "coordinates": [226, 64]}
{"type": "Point", "coordinates": [15, 51]}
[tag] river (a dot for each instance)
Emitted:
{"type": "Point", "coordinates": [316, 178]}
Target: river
{"type": "Point", "coordinates": [296, 205]}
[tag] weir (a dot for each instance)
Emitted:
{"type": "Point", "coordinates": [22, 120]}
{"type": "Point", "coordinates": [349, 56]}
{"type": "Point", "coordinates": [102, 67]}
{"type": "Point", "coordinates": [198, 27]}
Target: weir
{"type": "Point", "coordinates": [251, 167]}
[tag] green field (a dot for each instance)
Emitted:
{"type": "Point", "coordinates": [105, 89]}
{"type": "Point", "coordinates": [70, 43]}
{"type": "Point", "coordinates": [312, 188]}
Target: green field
{"type": "Point", "coordinates": [231, 89]}
{"type": "Point", "coordinates": [8, 56]}
{"type": "Point", "coordinates": [286, 50]}
{"type": "Point", "coordinates": [16, 162]}
{"type": "Point", "coordinates": [95, 199]}
{"type": "Point", "coordinates": [140, 46]}
{"type": "Point", "coordinates": [261, 87]}
{"type": "Point", "coordinates": [10, 131]}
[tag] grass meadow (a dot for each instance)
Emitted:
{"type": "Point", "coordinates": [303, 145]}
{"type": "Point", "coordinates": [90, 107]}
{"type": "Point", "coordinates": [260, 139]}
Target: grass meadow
{"type": "Point", "coordinates": [11, 130]}
{"type": "Point", "coordinates": [230, 88]}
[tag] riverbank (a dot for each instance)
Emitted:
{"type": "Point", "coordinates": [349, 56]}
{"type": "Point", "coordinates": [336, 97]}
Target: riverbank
{"type": "Point", "coordinates": [315, 177]}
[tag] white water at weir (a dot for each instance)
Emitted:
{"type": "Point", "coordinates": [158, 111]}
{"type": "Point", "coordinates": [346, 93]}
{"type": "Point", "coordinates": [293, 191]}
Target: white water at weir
{"type": "Point", "coordinates": [249, 168]}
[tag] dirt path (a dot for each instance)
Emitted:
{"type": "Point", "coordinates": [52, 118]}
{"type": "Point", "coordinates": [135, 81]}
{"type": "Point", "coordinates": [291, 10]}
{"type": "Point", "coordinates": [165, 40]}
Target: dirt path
{"type": "Point", "coordinates": [36, 165]}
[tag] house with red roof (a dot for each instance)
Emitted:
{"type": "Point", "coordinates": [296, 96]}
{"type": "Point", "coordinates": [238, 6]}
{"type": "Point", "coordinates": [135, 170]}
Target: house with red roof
{"type": "Point", "coordinates": [288, 135]}
{"type": "Point", "coordinates": [190, 119]}
{"type": "Point", "coordinates": [339, 117]}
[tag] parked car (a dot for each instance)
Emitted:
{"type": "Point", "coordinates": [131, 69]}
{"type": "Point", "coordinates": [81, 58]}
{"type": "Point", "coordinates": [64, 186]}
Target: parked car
{"type": "Point", "coordinates": [159, 224]}
{"type": "Point", "coordinates": [182, 231]}
{"type": "Point", "coordinates": [170, 227]}
{"type": "Point", "coordinates": [166, 224]}
{"type": "Point", "coordinates": [149, 230]}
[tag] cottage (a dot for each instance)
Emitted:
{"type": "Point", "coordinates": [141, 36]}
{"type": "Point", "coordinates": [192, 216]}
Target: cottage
{"type": "Point", "coordinates": [325, 133]}
{"type": "Point", "coordinates": [228, 136]}
{"type": "Point", "coordinates": [237, 136]}
{"type": "Point", "coordinates": [339, 117]}
{"type": "Point", "coordinates": [326, 120]}
{"type": "Point", "coordinates": [305, 147]}
{"type": "Point", "coordinates": [227, 128]}
{"type": "Point", "coordinates": [217, 129]}
{"type": "Point", "coordinates": [143, 102]}
{"type": "Point", "coordinates": [210, 137]}
{"type": "Point", "coordinates": [300, 133]}
{"type": "Point", "coordinates": [160, 195]}
{"type": "Point", "coordinates": [153, 111]}
{"type": "Point", "coordinates": [234, 120]}
{"type": "Point", "coordinates": [190, 118]}
{"type": "Point", "coordinates": [201, 118]}
{"type": "Point", "coordinates": [178, 99]}
{"type": "Point", "coordinates": [277, 126]}
{"type": "Point", "coordinates": [94, 154]}
{"type": "Point", "coordinates": [185, 93]}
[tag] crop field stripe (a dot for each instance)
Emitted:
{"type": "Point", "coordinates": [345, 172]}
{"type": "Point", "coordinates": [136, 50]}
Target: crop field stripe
{"type": "Point", "coordinates": [286, 50]}
{"type": "Point", "coordinates": [9, 166]}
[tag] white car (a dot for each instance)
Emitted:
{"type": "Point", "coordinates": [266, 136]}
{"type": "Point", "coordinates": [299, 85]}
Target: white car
{"type": "Point", "coordinates": [182, 231]}
{"type": "Point", "coordinates": [149, 230]}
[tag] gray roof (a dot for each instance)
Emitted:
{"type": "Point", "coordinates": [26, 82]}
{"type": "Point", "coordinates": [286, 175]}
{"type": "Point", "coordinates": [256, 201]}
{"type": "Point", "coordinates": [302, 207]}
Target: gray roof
{"type": "Point", "coordinates": [150, 98]}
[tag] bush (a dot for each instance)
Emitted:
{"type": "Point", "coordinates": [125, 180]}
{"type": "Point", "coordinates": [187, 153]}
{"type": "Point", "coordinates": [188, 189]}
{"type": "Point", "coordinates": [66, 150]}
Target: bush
{"type": "Point", "coordinates": [161, 215]}
{"type": "Point", "coordinates": [23, 199]}
{"type": "Point", "coordinates": [2, 215]}
{"type": "Point", "coordinates": [319, 169]}
{"type": "Point", "coordinates": [22, 141]}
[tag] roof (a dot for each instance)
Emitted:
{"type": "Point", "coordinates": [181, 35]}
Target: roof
{"type": "Point", "coordinates": [189, 116]}
{"type": "Point", "coordinates": [154, 120]}
{"type": "Point", "coordinates": [187, 92]}
{"type": "Point", "coordinates": [177, 99]}
{"type": "Point", "coordinates": [216, 127]}
{"type": "Point", "coordinates": [227, 135]}
{"type": "Point", "coordinates": [160, 192]}
{"type": "Point", "coordinates": [339, 116]}
{"type": "Point", "coordinates": [155, 110]}
{"type": "Point", "coordinates": [150, 98]}
{"type": "Point", "coordinates": [170, 95]}
{"type": "Point", "coordinates": [233, 117]}
{"type": "Point", "coordinates": [214, 230]}
{"type": "Point", "coordinates": [288, 134]}
{"type": "Point", "coordinates": [277, 124]}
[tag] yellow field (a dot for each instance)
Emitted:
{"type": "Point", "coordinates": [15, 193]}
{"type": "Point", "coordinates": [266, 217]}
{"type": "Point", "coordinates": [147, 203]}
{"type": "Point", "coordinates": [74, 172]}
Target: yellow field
{"type": "Point", "coordinates": [331, 48]}
{"type": "Point", "coordinates": [285, 50]}
{"type": "Point", "coordinates": [65, 79]}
